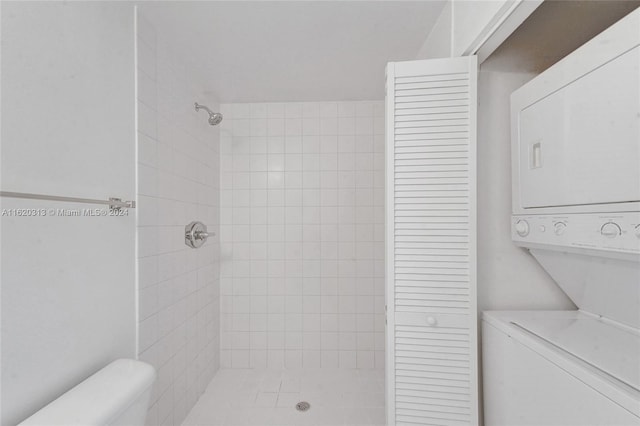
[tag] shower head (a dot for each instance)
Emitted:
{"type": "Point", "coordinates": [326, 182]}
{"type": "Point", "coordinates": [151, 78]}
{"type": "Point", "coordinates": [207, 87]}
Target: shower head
{"type": "Point", "coordinates": [214, 117]}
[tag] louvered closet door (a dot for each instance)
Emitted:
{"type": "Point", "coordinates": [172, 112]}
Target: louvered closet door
{"type": "Point", "coordinates": [431, 237]}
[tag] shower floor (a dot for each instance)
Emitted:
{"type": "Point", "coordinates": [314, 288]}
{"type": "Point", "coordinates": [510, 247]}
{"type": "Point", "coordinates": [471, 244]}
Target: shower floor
{"type": "Point", "coordinates": [269, 397]}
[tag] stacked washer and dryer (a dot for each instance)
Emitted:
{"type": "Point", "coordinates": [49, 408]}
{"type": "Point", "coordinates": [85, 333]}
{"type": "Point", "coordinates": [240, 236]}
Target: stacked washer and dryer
{"type": "Point", "coordinates": [576, 208]}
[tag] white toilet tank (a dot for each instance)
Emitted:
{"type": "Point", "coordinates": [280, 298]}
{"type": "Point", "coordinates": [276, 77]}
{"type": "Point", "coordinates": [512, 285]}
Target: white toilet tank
{"type": "Point", "coordinates": [116, 395]}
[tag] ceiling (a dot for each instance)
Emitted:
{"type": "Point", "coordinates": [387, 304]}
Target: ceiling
{"type": "Point", "coordinates": [252, 51]}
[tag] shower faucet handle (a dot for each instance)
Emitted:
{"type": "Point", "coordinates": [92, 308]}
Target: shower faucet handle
{"type": "Point", "coordinates": [195, 234]}
{"type": "Point", "coordinates": [201, 235]}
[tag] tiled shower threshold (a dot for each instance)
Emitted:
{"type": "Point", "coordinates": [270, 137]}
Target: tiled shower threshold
{"type": "Point", "coordinates": [269, 398]}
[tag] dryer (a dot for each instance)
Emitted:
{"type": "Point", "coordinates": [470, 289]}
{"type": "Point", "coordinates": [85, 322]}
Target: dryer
{"type": "Point", "coordinates": [576, 208]}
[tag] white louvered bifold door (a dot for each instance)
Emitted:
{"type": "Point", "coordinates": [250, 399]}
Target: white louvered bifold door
{"type": "Point", "coordinates": [432, 365]}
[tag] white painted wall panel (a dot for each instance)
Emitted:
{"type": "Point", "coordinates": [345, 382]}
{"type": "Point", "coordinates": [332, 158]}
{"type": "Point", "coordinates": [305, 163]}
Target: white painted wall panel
{"type": "Point", "coordinates": [508, 277]}
{"type": "Point", "coordinates": [68, 283]}
{"type": "Point", "coordinates": [438, 42]}
{"type": "Point", "coordinates": [67, 97]}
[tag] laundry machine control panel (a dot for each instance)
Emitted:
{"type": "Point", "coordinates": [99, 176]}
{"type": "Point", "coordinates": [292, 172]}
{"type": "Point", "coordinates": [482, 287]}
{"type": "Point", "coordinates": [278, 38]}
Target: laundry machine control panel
{"type": "Point", "coordinates": [618, 232]}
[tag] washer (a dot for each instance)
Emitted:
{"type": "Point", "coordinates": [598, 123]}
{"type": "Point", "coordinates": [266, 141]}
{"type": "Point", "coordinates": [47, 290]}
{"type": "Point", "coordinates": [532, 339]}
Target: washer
{"type": "Point", "coordinates": [559, 368]}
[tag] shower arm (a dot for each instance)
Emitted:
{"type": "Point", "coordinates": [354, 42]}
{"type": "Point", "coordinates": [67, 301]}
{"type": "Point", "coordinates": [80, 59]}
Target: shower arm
{"type": "Point", "coordinates": [198, 107]}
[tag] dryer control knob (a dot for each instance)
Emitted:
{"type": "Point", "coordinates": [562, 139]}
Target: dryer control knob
{"type": "Point", "coordinates": [610, 230]}
{"type": "Point", "coordinates": [559, 228]}
{"type": "Point", "coordinates": [522, 228]}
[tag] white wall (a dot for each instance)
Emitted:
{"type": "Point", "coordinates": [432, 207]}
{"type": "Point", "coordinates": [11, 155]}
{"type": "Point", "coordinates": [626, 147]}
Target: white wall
{"type": "Point", "coordinates": [438, 43]}
{"type": "Point", "coordinates": [178, 182]}
{"type": "Point", "coordinates": [302, 235]}
{"type": "Point", "coordinates": [508, 276]}
{"type": "Point", "coordinates": [68, 283]}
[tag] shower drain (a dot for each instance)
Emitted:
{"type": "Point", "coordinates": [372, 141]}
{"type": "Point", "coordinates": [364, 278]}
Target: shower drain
{"type": "Point", "coordinates": [303, 406]}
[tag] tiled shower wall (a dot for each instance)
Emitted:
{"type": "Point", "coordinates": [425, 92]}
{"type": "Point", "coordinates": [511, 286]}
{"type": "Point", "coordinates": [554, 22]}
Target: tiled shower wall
{"type": "Point", "coordinates": [178, 172]}
{"type": "Point", "coordinates": [302, 235]}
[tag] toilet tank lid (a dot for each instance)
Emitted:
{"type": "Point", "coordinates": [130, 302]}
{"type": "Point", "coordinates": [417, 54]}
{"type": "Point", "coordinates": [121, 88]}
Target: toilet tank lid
{"type": "Point", "coordinates": [100, 398]}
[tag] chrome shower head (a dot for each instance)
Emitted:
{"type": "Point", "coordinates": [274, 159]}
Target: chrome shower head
{"type": "Point", "coordinates": [214, 117]}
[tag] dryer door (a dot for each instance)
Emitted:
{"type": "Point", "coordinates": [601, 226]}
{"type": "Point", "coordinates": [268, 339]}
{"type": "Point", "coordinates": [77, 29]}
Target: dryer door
{"type": "Point", "coordinates": [581, 144]}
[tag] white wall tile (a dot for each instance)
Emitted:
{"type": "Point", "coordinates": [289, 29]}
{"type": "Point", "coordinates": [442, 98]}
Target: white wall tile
{"type": "Point", "coordinates": [301, 254]}
{"type": "Point", "coordinates": [275, 110]}
{"type": "Point", "coordinates": [179, 178]}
